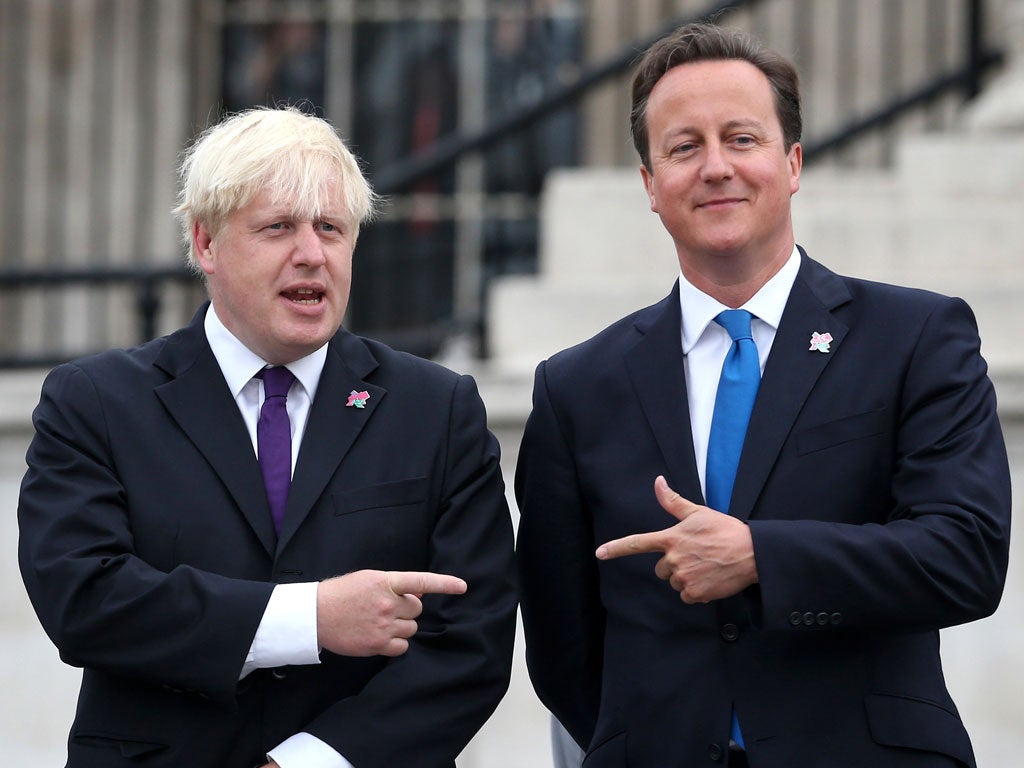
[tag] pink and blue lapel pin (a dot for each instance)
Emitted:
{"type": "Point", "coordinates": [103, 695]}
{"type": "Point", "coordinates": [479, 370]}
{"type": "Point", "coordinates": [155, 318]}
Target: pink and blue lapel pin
{"type": "Point", "coordinates": [357, 399]}
{"type": "Point", "coordinates": [820, 342]}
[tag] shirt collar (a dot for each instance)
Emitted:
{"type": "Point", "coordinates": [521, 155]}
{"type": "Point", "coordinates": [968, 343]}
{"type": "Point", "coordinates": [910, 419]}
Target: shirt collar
{"type": "Point", "coordinates": [699, 309]}
{"type": "Point", "coordinates": [239, 363]}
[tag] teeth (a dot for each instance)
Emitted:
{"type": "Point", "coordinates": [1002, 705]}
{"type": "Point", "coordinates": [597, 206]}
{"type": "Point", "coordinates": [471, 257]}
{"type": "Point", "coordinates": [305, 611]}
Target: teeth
{"type": "Point", "coordinates": [305, 296]}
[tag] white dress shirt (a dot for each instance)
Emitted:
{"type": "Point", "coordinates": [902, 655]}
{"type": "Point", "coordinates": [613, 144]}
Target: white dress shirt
{"type": "Point", "coordinates": [287, 632]}
{"type": "Point", "coordinates": [706, 343]}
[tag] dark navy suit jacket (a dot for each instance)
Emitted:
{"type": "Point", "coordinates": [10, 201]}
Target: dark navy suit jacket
{"type": "Point", "coordinates": [148, 553]}
{"type": "Point", "coordinates": [874, 479]}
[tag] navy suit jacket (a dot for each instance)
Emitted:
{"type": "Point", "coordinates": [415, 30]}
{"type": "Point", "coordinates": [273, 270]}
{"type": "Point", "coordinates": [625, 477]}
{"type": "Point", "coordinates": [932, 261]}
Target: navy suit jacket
{"type": "Point", "coordinates": [875, 483]}
{"type": "Point", "coordinates": [148, 552]}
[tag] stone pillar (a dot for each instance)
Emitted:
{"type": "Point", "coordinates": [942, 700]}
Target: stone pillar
{"type": "Point", "coordinates": [1001, 106]}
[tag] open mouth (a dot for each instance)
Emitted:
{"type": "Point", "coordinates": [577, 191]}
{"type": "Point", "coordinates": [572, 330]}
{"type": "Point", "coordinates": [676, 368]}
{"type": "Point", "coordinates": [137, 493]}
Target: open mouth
{"type": "Point", "coordinates": [306, 296]}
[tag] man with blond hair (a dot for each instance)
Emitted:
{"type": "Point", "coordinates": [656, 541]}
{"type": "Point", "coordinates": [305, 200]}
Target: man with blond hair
{"type": "Point", "coordinates": [265, 540]}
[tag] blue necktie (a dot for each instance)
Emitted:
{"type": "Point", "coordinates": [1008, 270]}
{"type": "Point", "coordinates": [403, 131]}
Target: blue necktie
{"type": "Point", "coordinates": [274, 440]}
{"type": "Point", "coordinates": [737, 388]}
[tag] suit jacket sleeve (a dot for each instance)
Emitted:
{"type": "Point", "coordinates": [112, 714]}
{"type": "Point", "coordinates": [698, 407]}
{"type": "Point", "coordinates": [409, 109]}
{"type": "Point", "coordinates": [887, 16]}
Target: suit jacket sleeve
{"type": "Point", "coordinates": [101, 604]}
{"type": "Point", "coordinates": [937, 555]}
{"type": "Point", "coordinates": [562, 614]}
{"type": "Point", "coordinates": [423, 707]}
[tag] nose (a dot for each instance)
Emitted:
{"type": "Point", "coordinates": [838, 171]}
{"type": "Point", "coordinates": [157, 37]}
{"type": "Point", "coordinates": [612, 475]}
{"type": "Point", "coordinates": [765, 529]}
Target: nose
{"type": "Point", "coordinates": [716, 164]}
{"type": "Point", "coordinates": [308, 251]}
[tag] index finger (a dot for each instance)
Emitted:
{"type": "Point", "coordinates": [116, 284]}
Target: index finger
{"type": "Point", "coordinates": [421, 583]}
{"type": "Point", "coordinates": [636, 544]}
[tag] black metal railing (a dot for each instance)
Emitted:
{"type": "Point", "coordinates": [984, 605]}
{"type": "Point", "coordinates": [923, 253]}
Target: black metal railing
{"type": "Point", "coordinates": [148, 284]}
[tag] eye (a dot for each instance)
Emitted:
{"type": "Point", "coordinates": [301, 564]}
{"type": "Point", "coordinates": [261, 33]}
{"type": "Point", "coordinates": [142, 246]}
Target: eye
{"type": "Point", "coordinates": [326, 226]}
{"type": "Point", "coordinates": [744, 140]}
{"type": "Point", "coordinates": [277, 225]}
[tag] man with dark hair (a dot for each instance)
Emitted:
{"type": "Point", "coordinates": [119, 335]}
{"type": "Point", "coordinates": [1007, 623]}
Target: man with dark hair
{"type": "Point", "coordinates": [748, 510]}
{"type": "Point", "coordinates": [266, 541]}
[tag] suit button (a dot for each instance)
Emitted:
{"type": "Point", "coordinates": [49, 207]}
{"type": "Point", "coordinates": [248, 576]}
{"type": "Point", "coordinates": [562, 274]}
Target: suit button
{"type": "Point", "coordinates": [808, 618]}
{"type": "Point", "coordinates": [836, 618]}
{"type": "Point", "coordinates": [795, 618]}
{"type": "Point", "coordinates": [729, 632]}
{"type": "Point", "coordinates": [279, 673]}
{"type": "Point", "coordinates": [715, 752]}
{"type": "Point", "coordinates": [822, 619]}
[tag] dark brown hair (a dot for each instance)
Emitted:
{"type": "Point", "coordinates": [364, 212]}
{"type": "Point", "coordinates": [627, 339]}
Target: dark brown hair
{"type": "Point", "coordinates": [707, 42]}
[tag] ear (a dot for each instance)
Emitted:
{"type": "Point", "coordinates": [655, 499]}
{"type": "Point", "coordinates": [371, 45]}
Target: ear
{"type": "Point", "coordinates": [796, 163]}
{"type": "Point", "coordinates": [648, 178]}
{"type": "Point", "coordinates": [202, 245]}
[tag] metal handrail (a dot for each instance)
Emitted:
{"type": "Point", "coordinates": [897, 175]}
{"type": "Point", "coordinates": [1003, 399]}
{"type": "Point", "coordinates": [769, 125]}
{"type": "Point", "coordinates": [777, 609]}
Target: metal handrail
{"type": "Point", "coordinates": [964, 78]}
{"type": "Point", "coordinates": [447, 151]}
{"type": "Point", "coordinates": [146, 280]}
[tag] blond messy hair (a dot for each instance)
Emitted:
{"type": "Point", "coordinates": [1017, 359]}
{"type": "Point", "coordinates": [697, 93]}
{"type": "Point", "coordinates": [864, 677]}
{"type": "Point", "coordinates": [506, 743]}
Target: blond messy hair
{"type": "Point", "coordinates": [296, 156]}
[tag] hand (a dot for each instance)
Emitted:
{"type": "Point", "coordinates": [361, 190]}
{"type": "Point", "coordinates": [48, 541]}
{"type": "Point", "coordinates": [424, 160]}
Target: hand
{"type": "Point", "coordinates": [707, 555]}
{"type": "Point", "coordinates": [370, 613]}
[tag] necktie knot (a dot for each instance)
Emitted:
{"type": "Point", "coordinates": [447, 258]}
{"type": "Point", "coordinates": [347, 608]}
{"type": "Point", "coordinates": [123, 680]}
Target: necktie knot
{"type": "Point", "coordinates": [276, 381]}
{"type": "Point", "coordinates": [736, 322]}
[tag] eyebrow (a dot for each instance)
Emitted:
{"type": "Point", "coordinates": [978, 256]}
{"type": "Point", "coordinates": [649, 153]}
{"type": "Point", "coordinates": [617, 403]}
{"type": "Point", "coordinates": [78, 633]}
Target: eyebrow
{"type": "Point", "coordinates": [746, 123]}
{"type": "Point", "coordinates": [731, 125]}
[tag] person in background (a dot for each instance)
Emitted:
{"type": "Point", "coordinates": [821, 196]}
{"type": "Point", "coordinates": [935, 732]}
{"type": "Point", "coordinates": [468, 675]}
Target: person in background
{"type": "Point", "coordinates": [748, 510]}
{"type": "Point", "coordinates": [265, 540]}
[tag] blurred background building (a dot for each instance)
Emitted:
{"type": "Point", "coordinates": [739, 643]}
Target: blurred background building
{"type": "Point", "coordinates": [516, 223]}
{"type": "Point", "coordinates": [100, 96]}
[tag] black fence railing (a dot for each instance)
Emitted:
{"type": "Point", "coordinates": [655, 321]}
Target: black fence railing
{"type": "Point", "coordinates": [149, 282]}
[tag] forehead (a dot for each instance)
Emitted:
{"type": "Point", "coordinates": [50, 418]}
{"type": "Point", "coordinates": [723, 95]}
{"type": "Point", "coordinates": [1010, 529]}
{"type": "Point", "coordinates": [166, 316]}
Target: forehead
{"type": "Point", "coordinates": [713, 87]}
{"type": "Point", "coordinates": [304, 202]}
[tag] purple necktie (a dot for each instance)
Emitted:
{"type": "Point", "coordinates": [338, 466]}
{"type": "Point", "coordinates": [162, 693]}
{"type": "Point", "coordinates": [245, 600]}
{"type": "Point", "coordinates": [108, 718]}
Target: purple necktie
{"type": "Point", "coordinates": [274, 440]}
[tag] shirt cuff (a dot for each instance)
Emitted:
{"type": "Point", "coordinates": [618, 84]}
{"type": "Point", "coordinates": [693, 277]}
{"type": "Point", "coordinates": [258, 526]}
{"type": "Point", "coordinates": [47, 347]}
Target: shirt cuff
{"type": "Point", "coordinates": [287, 632]}
{"type": "Point", "coordinates": [303, 750]}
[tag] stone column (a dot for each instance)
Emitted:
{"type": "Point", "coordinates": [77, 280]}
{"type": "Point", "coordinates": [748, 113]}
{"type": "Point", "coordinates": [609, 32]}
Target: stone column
{"type": "Point", "coordinates": [1001, 106]}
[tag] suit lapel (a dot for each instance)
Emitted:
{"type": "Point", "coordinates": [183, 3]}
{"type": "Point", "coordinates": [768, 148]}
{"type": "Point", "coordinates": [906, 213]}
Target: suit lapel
{"type": "Point", "coordinates": [789, 376]}
{"type": "Point", "coordinates": [198, 399]}
{"type": "Point", "coordinates": [332, 426]}
{"type": "Point", "coordinates": [655, 367]}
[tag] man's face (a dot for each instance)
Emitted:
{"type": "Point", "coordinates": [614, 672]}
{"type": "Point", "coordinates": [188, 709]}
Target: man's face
{"type": "Point", "coordinates": [720, 177]}
{"type": "Point", "coordinates": [279, 283]}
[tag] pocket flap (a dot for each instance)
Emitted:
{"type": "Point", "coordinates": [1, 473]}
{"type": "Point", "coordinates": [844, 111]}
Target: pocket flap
{"type": "Point", "coordinates": [396, 494]}
{"type": "Point", "coordinates": [128, 747]}
{"type": "Point", "coordinates": [901, 721]}
{"type": "Point", "coordinates": [840, 431]}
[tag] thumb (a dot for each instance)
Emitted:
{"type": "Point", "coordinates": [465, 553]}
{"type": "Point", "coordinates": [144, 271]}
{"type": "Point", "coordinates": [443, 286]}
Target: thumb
{"type": "Point", "coordinates": [671, 501]}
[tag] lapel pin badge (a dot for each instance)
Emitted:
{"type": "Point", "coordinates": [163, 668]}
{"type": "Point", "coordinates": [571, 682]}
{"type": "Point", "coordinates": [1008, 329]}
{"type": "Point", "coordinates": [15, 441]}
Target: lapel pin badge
{"type": "Point", "coordinates": [820, 342]}
{"type": "Point", "coordinates": [357, 399]}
